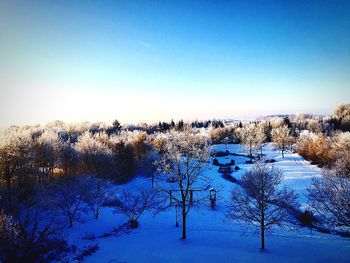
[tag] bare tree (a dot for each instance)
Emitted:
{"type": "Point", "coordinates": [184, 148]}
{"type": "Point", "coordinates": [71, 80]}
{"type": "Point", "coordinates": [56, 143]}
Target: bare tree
{"type": "Point", "coordinates": [99, 191]}
{"type": "Point", "coordinates": [94, 153]}
{"type": "Point", "coordinates": [259, 202]}
{"type": "Point", "coordinates": [252, 137]}
{"type": "Point", "coordinates": [281, 138]}
{"type": "Point", "coordinates": [184, 157]}
{"type": "Point", "coordinates": [68, 159]}
{"type": "Point", "coordinates": [46, 147]}
{"type": "Point", "coordinates": [329, 196]}
{"type": "Point", "coordinates": [133, 205]}
{"type": "Point", "coordinates": [68, 196]}
{"type": "Point", "coordinates": [16, 160]}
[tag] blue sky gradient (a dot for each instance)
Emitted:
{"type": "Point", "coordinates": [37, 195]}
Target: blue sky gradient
{"type": "Point", "coordinates": [150, 60]}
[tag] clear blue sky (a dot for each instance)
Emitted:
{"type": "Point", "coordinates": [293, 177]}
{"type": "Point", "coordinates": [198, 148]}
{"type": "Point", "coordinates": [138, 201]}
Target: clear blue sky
{"type": "Point", "coordinates": [150, 60]}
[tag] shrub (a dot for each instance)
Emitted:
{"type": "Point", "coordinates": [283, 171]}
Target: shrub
{"type": "Point", "coordinates": [306, 219]}
{"type": "Point", "coordinates": [23, 240]}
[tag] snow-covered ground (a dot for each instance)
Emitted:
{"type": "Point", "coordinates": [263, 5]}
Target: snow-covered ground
{"type": "Point", "coordinates": [211, 236]}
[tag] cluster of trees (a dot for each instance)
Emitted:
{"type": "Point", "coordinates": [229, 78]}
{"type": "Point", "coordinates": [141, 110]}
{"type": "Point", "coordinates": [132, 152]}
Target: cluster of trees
{"type": "Point", "coordinates": [62, 171]}
{"type": "Point", "coordinates": [253, 137]}
{"type": "Point", "coordinates": [321, 149]}
{"type": "Point", "coordinates": [223, 135]}
{"type": "Point", "coordinates": [66, 173]}
{"type": "Point", "coordinates": [324, 147]}
{"type": "Point", "coordinates": [36, 154]}
{"type": "Point", "coordinates": [181, 125]}
{"type": "Point", "coordinates": [259, 201]}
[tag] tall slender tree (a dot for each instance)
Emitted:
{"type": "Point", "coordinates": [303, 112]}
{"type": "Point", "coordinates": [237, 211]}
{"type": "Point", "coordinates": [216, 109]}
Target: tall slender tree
{"type": "Point", "coordinates": [281, 138]}
{"type": "Point", "coordinates": [184, 157]}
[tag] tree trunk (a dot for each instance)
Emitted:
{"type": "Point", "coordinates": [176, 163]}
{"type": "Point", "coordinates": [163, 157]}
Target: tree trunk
{"type": "Point", "coordinates": [183, 222]}
{"type": "Point", "coordinates": [8, 187]}
{"type": "Point", "coordinates": [152, 180]}
{"type": "Point", "coordinates": [263, 231]}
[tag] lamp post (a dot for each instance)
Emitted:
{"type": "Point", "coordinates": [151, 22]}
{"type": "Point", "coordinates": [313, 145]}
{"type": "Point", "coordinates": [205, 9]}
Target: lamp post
{"type": "Point", "coordinates": [212, 197]}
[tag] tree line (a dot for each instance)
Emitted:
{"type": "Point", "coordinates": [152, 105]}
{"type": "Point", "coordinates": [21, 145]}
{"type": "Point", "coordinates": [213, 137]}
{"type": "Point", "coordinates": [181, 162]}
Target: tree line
{"type": "Point", "coordinates": [73, 168]}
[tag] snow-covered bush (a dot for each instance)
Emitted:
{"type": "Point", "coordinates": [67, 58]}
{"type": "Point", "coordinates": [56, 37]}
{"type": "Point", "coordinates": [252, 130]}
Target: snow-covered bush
{"type": "Point", "coordinates": [26, 239]}
{"type": "Point", "coordinates": [323, 150]}
{"type": "Point", "coordinates": [223, 135]}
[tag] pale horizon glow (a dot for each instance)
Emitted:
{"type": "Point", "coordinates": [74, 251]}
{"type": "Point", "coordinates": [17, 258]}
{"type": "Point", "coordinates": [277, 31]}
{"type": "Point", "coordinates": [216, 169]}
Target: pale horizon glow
{"type": "Point", "coordinates": [146, 61]}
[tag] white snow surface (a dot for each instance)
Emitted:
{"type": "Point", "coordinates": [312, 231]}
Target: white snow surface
{"type": "Point", "coordinates": [211, 236]}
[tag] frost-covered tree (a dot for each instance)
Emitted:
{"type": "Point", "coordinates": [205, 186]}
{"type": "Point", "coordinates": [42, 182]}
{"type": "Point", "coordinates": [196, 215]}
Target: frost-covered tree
{"type": "Point", "coordinates": [158, 142]}
{"type": "Point", "coordinates": [317, 148]}
{"type": "Point", "coordinates": [47, 147]}
{"type": "Point", "coordinates": [223, 135]}
{"type": "Point", "coordinates": [16, 161]}
{"type": "Point", "coordinates": [260, 201]}
{"type": "Point", "coordinates": [68, 159]}
{"type": "Point", "coordinates": [183, 160]}
{"type": "Point", "coordinates": [342, 114]}
{"type": "Point", "coordinates": [261, 138]}
{"type": "Point", "coordinates": [115, 128]}
{"type": "Point", "coordinates": [341, 142]}
{"type": "Point", "coordinates": [313, 125]}
{"type": "Point", "coordinates": [141, 145]}
{"type": "Point", "coordinates": [252, 137]}
{"type": "Point", "coordinates": [266, 128]}
{"type": "Point", "coordinates": [299, 119]}
{"type": "Point", "coordinates": [281, 138]}
{"type": "Point", "coordinates": [94, 153]}
{"type": "Point", "coordinates": [277, 122]}
{"type": "Point", "coordinates": [329, 196]}
{"type": "Point", "coordinates": [124, 159]}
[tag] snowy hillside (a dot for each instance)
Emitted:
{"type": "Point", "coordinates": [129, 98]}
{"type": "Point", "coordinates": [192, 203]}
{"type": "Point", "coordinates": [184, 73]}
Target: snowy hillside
{"type": "Point", "coordinates": [211, 236]}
